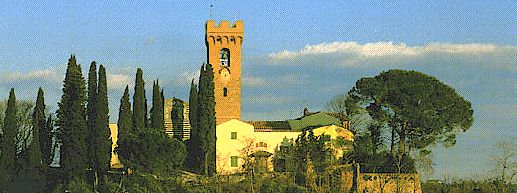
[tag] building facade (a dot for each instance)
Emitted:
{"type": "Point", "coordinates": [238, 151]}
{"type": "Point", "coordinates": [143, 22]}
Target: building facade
{"type": "Point", "coordinates": [114, 162]}
{"type": "Point", "coordinates": [237, 139]}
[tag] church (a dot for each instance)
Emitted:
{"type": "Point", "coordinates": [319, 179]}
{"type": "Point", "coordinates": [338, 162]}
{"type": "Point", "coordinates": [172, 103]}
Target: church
{"type": "Point", "coordinates": [234, 136]}
{"type": "Point", "coordinates": [239, 140]}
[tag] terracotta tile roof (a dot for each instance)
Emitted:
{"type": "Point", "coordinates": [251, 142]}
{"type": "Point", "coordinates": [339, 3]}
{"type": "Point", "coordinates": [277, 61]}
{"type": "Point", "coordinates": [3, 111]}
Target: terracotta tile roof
{"type": "Point", "coordinates": [266, 126]}
{"type": "Point", "coordinates": [322, 118]}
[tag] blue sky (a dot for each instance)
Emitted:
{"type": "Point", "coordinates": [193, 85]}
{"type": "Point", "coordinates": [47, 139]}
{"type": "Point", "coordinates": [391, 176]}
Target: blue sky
{"type": "Point", "coordinates": [295, 54]}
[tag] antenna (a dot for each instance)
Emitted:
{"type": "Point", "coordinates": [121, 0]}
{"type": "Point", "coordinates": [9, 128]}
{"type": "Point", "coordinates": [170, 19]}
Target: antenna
{"type": "Point", "coordinates": [211, 6]}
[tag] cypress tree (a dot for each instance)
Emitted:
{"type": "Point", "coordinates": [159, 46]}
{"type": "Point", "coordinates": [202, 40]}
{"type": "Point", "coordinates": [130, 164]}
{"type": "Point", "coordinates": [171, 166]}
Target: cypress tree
{"type": "Point", "coordinates": [124, 126]}
{"type": "Point", "coordinates": [9, 129]}
{"type": "Point", "coordinates": [193, 109]}
{"type": "Point", "coordinates": [124, 115]}
{"type": "Point", "coordinates": [39, 124]}
{"type": "Point", "coordinates": [161, 118]}
{"type": "Point", "coordinates": [211, 154]}
{"type": "Point", "coordinates": [139, 102]}
{"type": "Point", "coordinates": [157, 109]}
{"type": "Point", "coordinates": [153, 117]}
{"type": "Point", "coordinates": [207, 118]}
{"type": "Point", "coordinates": [177, 117]}
{"type": "Point", "coordinates": [193, 146]}
{"type": "Point", "coordinates": [103, 140]}
{"type": "Point", "coordinates": [147, 120]}
{"type": "Point", "coordinates": [91, 114]}
{"type": "Point", "coordinates": [162, 111]}
{"type": "Point", "coordinates": [72, 123]}
{"type": "Point", "coordinates": [48, 151]}
{"type": "Point", "coordinates": [124, 123]}
{"type": "Point", "coordinates": [202, 120]}
{"type": "Point", "coordinates": [163, 107]}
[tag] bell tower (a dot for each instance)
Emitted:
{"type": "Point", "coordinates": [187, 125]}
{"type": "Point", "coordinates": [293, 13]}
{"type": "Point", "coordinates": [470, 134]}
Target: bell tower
{"type": "Point", "coordinates": [223, 43]}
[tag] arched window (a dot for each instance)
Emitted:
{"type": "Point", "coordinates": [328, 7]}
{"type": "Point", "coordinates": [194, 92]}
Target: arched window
{"type": "Point", "coordinates": [225, 91]}
{"type": "Point", "coordinates": [225, 57]}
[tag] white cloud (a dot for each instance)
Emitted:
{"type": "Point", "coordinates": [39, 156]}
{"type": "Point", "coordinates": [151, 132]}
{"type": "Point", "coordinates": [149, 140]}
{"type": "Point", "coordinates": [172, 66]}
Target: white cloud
{"type": "Point", "coordinates": [128, 70]}
{"type": "Point", "coordinates": [459, 48]}
{"type": "Point", "coordinates": [396, 54]}
{"type": "Point", "coordinates": [45, 74]}
{"type": "Point", "coordinates": [185, 78]}
{"type": "Point", "coordinates": [118, 81]}
{"type": "Point", "coordinates": [253, 82]}
{"type": "Point", "coordinates": [26, 84]}
{"type": "Point", "coordinates": [380, 49]}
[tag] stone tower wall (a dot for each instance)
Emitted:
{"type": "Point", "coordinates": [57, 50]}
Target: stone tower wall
{"type": "Point", "coordinates": [230, 36]}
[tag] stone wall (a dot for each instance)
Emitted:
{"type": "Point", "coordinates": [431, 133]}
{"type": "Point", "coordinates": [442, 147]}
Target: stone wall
{"type": "Point", "coordinates": [387, 183]}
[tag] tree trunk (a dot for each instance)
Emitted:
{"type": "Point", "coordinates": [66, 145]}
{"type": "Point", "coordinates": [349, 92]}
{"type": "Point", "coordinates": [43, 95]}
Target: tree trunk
{"type": "Point", "coordinates": [392, 145]}
{"type": "Point", "coordinates": [206, 164]}
{"type": "Point", "coordinates": [96, 182]}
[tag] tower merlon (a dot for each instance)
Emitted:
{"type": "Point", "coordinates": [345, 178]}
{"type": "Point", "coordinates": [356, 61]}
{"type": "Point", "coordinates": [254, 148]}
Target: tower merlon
{"type": "Point", "coordinates": [224, 27]}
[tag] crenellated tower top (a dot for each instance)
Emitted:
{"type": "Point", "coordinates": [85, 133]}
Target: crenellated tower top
{"type": "Point", "coordinates": [224, 33]}
{"type": "Point", "coordinates": [224, 27]}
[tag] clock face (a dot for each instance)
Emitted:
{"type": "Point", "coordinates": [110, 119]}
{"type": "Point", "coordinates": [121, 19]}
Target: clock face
{"type": "Point", "coordinates": [225, 75]}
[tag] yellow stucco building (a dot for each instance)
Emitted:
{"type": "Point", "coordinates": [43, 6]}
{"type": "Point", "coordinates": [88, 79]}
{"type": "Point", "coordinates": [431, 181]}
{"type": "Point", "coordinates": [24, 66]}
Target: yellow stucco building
{"type": "Point", "coordinates": [115, 162]}
{"type": "Point", "coordinates": [237, 139]}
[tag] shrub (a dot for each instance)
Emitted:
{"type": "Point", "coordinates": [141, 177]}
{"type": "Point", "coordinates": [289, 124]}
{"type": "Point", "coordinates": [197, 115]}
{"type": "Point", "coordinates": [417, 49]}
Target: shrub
{"type": "Point", "coordinates": [75, 185]}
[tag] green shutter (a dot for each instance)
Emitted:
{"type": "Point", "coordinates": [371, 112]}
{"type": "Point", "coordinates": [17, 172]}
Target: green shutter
{"type": "Point", "coordinates": [234, 135]}
{"type": "Point", "coordinates": [234, 161]}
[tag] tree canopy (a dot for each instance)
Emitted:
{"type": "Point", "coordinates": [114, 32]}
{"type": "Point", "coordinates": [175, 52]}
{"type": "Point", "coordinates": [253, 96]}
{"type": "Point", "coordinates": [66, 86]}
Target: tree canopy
{"type": "Point", "coordinates": [91, 114]}
{"type": "Point", "coordinates": [24, 111]}
{"type": "Point", "coordinates": [103, 138]}
{"type": "Point", "coordinates": [8, 145]}
{"type": "Point", "coordinates": [139, 102]}
{"type": "Point", "coordinates": [207, 120]}
{"type": "Point", "coordinates": [193, 148]}
{"type": "Point", "coordinates": [147, 149]}
{"type": "Point", "coordinates": [72, 123]}
{"type": "Point", "coordinates": [124, 124]}
{"type": "Point", "coordinates": [418, 109]}
{"type": "Point", "coordinates": [157, 118]}
{"type": "Point", "coordinates": [39, 125]}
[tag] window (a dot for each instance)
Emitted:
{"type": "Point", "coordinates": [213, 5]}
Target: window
{"type": "Point", "coordinates": [225, 91]}
{"type": "Point", "coordinates": [225, 57]}
{"type": "Point", "coordinates": [261, 144]}
{"type": "Point", "coordinates": [234, 135]}
{"type": "Point", "coordinates": [234, 161]}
